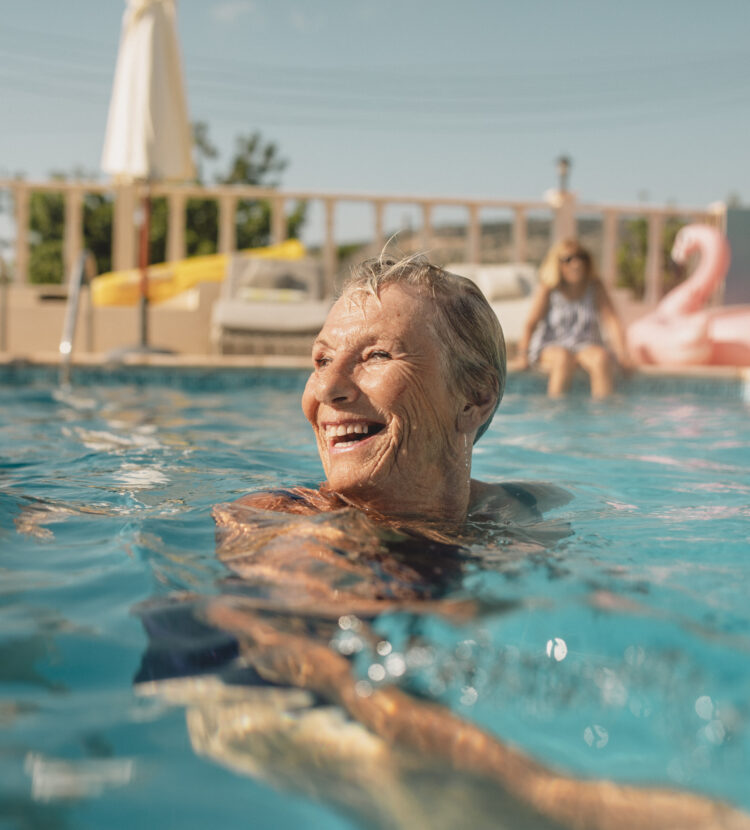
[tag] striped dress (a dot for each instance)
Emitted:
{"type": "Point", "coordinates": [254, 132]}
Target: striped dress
{"type": "Point", "coordinates": [572, 324]}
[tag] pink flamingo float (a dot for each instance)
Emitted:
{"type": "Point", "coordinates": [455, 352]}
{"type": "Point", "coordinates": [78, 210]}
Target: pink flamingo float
{"type": "Point", "coordinates": [680, 331]}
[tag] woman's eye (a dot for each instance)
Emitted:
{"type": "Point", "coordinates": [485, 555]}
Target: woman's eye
{"type": "Point", "coordinates": [379, 354]}
{"type": "Point", "coordinates": [321, 361]}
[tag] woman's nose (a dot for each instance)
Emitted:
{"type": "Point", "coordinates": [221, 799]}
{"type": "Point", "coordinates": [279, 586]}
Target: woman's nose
{"type": "Point", "coordinates": [336, 384]}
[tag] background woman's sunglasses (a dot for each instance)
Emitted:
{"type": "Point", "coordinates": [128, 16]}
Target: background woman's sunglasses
{"type": "Point", "coordinates": [566, 259]}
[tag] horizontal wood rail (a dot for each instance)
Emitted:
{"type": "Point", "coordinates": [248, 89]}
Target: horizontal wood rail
{"type": "Point", "coordinates": [562, 209]}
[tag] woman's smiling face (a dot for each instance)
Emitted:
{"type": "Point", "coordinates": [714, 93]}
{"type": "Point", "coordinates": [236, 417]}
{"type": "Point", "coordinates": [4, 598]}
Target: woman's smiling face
{"type": "Point", "coordinates": [381, 401]}
{"type": "Point", "coordinates": [574, 267]}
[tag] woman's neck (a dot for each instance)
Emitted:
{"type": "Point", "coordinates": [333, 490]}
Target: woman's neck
{"type": "Point", "coordinates": [573, 291]}
{"type": "Point", "coordinates": [447, 506]}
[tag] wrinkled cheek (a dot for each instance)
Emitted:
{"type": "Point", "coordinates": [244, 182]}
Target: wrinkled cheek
{"type": "Point", "coordinates": [310, 400]}
{"type": "Point", "coordinates": [323, 453]}
{"type": "Point", "coordinates": [423, 429]}
{"type": "Point", "coordinates": [389, 450]}
{"type": "Point", "coordinates": [422, 443]}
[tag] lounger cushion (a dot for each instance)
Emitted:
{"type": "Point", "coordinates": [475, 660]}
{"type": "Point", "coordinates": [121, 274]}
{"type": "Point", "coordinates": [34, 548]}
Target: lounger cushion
{"type": "Point", "coordinates": [272, 317]}
{"type": "Point", "coordinates": [498, 283]}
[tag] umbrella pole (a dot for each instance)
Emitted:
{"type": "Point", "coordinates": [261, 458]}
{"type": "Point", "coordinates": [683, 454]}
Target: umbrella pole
{"type": "Point", "coordinates": [143, 264]}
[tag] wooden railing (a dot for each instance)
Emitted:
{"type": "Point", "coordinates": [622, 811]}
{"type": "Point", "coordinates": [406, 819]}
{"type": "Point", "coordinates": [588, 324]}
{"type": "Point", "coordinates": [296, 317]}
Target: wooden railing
{"type": "Point", "coordinates": [563, 210]}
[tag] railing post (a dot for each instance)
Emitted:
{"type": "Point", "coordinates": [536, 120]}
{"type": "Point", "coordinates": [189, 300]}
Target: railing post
{"type": "Point", "coordinates": [73, 233]}
{"type": "Point", "coordinates": [3, 307]}
{"type": "Point", "coordinates": [278, 220]}
{"type": "Point", "coordinates": [565, 216]}
{"type": "Point", "coordinates": [177, 204]}
{"type": "Point", "coordinates": [654, 259]}
{"type": "Point", "coordinates": [329, 247]}
{"type": "Point", "coordinates": [123, 230]}
{"type": "Point", "coordinates": [21, 203]}
{"type": "Point", "coordinates": [717, 216]}
{"type": "Point", "coordinates": [426, 239]}
{"type": "Point", "coordinates": [520, 234]}
{"type": "Point", "coordinates": [227, 229]}
{"type": "Point", "coordinates": [473, 238]}
{"type": "Point", "coordinates": [379, 239]}
{"type": "Point", "coordinates": [609, 248]}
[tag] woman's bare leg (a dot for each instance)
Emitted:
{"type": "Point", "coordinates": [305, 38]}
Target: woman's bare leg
{"type": "Point", "coordinates": [597, 362]}
{"type": "Point", "coordinates": [560, 364]}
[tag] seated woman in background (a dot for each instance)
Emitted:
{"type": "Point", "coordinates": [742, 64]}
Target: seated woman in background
{"type": "Point", "coordinates": [563, 332]}
{"type": "Point", "coordinates": [409, 369]}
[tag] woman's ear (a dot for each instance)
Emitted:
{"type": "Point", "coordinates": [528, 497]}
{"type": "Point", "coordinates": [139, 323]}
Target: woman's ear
{"type": "Point", "coordinates": [476, 412]}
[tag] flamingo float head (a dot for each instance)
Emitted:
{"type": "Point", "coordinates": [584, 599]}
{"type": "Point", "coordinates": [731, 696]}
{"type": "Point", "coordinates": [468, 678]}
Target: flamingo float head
{"type": "Point", "coordinates": [703, 239]}
{"type": "Point", "coordinates": [680, 330]}
{"type": "Point", "coordinates": [713, 251]}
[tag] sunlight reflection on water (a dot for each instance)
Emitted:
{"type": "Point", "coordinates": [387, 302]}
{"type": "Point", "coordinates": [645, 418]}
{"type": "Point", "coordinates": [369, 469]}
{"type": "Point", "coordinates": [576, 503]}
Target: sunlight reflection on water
{"type": "Point", "coordinates": [620, 649]}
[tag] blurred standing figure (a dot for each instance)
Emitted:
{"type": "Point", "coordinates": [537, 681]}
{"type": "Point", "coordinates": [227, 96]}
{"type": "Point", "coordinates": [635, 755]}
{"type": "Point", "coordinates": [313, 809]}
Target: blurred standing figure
{"type": "Point", "coordinates": [563, 332]}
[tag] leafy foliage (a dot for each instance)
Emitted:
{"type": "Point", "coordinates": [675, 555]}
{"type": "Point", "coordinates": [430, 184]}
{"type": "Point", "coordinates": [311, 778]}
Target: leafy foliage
{"type": "Point", "coordinates": [47, 218]}
{"type": "Point", "coordinates": [632, 251]}
{"type": "Point", "coordinates": [255, 162]}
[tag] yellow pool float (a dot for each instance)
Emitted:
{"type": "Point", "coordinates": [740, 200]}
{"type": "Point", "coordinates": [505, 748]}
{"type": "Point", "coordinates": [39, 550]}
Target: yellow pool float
{"type": "Point", "coordinates": [167, 279]}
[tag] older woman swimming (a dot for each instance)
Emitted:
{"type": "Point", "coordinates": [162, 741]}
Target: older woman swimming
{"type": "Point", "coordinates": [409, 369]}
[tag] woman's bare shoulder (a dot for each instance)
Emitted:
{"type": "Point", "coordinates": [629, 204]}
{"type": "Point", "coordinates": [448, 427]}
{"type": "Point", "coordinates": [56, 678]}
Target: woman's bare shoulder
{"type": "Point", "coordinates": [301, 500]}
{"type": "Point", "coordinates": [236, 521]}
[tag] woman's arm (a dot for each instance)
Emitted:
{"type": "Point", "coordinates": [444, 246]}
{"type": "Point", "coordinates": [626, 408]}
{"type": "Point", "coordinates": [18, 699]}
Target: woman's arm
{"type": "Point", "coordinates": [613, 326]}
{"type": "Point", "coordinates": [539, 305]}
{"type": "Point", "coordinates": [431, 731]}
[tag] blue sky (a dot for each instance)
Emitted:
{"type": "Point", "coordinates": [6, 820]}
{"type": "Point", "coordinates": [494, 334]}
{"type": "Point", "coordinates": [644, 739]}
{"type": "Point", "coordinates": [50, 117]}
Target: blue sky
{"type": "Point", "coordinates": [651, 99]}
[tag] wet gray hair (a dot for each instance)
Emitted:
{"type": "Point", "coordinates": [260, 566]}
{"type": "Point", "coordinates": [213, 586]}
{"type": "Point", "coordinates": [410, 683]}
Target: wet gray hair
{"type": "Point", "coordinates": [472, 338]}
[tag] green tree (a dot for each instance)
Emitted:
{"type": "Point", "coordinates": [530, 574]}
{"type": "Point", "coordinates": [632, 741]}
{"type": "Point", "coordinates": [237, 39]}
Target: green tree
{"type": "Point", "coordinates": [97, 229]}
{"type": "Point", "coordinates": [632, 251]}
{"type": "Point", "coordinates": [47, 219]}
{"type": "Point", "coordinates": [255, 162]}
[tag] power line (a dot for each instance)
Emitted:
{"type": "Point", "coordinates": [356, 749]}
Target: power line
{"type": "Point", "coordinates": [451, 97]}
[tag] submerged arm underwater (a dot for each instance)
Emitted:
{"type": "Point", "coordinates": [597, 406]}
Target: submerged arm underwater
{"type": "Point", "coordinates": [403, 760]}
{"type": "Point", "coordinates": [526, 790]}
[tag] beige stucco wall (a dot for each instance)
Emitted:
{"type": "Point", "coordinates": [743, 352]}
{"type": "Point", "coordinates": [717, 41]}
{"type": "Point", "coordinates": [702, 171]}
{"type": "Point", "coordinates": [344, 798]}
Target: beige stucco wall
{"type": "Point", "coordinates": [35, 317]}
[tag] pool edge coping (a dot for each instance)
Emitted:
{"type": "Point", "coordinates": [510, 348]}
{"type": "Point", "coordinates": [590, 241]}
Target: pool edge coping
{"type": "Point", "coordinates": [269, 361]}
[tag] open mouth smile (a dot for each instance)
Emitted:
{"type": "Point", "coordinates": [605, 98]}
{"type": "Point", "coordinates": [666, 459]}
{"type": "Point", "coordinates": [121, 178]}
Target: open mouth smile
{"type": "Point", "coordinates": [345, 436]}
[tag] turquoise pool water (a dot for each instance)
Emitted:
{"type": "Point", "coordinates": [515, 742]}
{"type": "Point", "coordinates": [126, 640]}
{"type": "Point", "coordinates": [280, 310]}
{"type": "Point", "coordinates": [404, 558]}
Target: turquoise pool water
{"type": "Point", "coordinates": [619, 650]}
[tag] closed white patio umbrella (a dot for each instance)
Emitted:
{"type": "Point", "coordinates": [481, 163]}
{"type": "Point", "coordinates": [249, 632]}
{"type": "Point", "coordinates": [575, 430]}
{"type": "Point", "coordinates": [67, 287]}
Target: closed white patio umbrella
{"type": "Point", "coordinates": [148, 135]}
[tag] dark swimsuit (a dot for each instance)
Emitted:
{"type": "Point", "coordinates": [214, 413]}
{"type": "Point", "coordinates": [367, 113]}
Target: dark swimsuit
{"type": "Point", "coordinates": [180, 644]}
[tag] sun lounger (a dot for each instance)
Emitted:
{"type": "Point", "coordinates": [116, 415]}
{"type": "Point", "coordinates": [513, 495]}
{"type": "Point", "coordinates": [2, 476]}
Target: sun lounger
{"type": "Point", "coordinates": [508, 288]}
{"type": "Point", "coordinates": [268, 306]}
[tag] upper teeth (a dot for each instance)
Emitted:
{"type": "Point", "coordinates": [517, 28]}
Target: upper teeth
{"type": "Point", "coordinates": [346, 429]}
